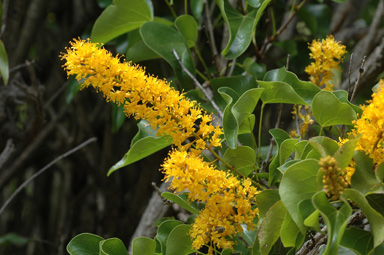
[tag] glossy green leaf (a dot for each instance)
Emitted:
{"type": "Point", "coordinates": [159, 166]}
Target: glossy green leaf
{"type": "Point", "coordinates": [179, 241]}
{"type": "Point", "coordinates": [265, 200]}
{"type": "Point", "coordinates": [187, 27]}
{"type": "Point", "coordinates": [335, 219]}
{"type": "Point", "coordinates": [143, 246]}
{"type": "Point", "coordinates": [145, 143]}
{"type": "Point", "coordinates": [358, 240]}
{"type": "Point", "coordinates": [305, 90]}
{"type": "Point", "coordinates": [247, 126]}
{"type": "Point", "coordinates": [163, 232]}
{"type": "Point", "coordinates": [237, 110]}
{"type": "Point", "coordinates": [84, 244]}
{"type": "Point", "coordinates": [162, 40]}
{"type": "Point", "coordinates": [182, 201]}
{"type": "Point", "coordinates": [306, 209]}
{"type": "Point", "coordinates": [119, 18]}
{"type": "Point", "coordinates": [286, 149]}
{"type": "Point", "coordinates": [289, 231]}
{"type": "Point", "coordinates": [299, 183]}
{"type": "Point", "coordinates": [300, 149]}
{"type": "Point", "coordinates": [269, 230]}
{"type": "Point", "coordinates": [364, 179]}
{"type": "Point", "coordinates": [113, 246]}
{"type": "Point", "coordinates": [313, 221]}
{"type": "Point", "coordinates": [279, 92]}
{"type": "Point", "coordinates": [341, 113]}
{"type": "Point", "coordinates": [4, 64]}
{"type": "Point", "coordinates": [243, 158]}
{"type": "Point", "coordinates": [375, 219]}
{"type": "Point", "coordinates": [137, 50]}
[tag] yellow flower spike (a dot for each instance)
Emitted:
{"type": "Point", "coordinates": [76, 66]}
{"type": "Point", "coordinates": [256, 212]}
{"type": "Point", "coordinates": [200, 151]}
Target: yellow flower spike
{"type": "Point", "coordinates": [327, 55]}
{"type": "Point", "coordinates": [142, 96]}
{"type": "Point", "coordinates": [333, 180]}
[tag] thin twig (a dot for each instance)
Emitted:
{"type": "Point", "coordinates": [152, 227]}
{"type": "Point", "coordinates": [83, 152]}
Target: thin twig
{"type": "Point", "coordinates": [211, 40]}
{"type": "Point", "coordinates": [42, 170]}
{"type": "Point", "coordinates": [361, 71]}
{"type": "Point", "coordinates": [165, 201]}
{"type": "Point", "coordinates": [7, 151]}
{"type": "Point", "coordinates": [281, 29]}
{"type": "Point", "coordinates": [197, 83]}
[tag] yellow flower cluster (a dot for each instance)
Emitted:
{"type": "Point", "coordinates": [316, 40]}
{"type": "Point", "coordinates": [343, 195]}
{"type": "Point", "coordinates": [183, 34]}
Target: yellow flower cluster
{"type": "Point", "coordinates": [327, 55]}
{"type": "Point", "coordinates": [371, 126]}
{"type": "Point", "coordinates": [144, 97]}
{"type": "Point", "coordinates": [228, 200]}
{"type": "Point", "coordinates": [333, 180]}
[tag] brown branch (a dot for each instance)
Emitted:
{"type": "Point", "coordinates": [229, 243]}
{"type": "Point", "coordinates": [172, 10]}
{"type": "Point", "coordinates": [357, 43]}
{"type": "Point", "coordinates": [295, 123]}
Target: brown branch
{"type": "Point", "coordinates": [7, 151]}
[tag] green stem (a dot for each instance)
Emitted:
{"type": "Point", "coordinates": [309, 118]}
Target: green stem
{"type": "Point", "coordinates": [201, 75]}
{"type": "Point", "coordinates": [186, 6]}
{"type": "Point", "coordinates": [321, 130]}
{"type": "Point", "coordinates": [171, 8]}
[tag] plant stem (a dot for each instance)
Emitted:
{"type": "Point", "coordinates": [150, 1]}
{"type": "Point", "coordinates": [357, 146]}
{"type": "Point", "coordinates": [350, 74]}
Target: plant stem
{"type": "Point", "coordinates": [260, 123]}
{"type": "Point", "coordinates": [171, 8]}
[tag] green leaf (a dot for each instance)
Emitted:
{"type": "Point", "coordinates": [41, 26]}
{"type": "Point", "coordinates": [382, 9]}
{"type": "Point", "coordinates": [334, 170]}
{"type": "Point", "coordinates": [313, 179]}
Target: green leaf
{"type": "Point", "coordinates": [4, 64]}
{"type": "Point", "coordinates": [313, 221]}
{"type": "Point", "coordinates": [289, 231]}
{"type": "Point", "coordinates": [324, 145]}
{"type": "Point", "coordinates": [342, 95]}
{"type": "Point", "coordinates": [187, 27]}
{"type": "Point", "coordinates": [299, 183]}
{"type": "Point", "coordinates": [270, 227]}
{"type": "Point", "coordinates": [121, 17]}
{"type": "Point", "coordinates": [375, 219]}
{"type": "Point", "coordinates": [265, 200]}
{"type": "Point", "coordinates": [243, 158]}
{"type": "Point", "coordinates": [84, 244]}
{"type": "Point", "coordinates": [335, 219]}
{"type": "Point", "coordinates": [279, 92]}
{"type": "Point", "coordinates": [182, 201]}
{"type": "Point", "coordinates": [143, 246]}
{"type": "Point", "coordinates": [113, 246]}
{"type": "Point", "coordinates": [376, 201]}
{"type": "Point", "coordinates": [345, 153]}
{"type": "Point", "coordinates": [162, 40]}
{"type": "Point", "coordinates": [364, 179]}
{"type": "Point", "coordinates": [237, 110]}
{"type": "Point", "coordinates": [164, 231]}
{"type": "Point", "coordinates": [358, 240]}
{"type": "Point", "coordinates": [145, 143]}
{"type": "Point", "coordinates": [137, 50]}
{"type": "Point", "coordinates": [279, 136]}
{"type": "Point", "coordinates": [254, 3]}
{"type": "Point", "coordinates": [341, 113]}
{"type": "Point", "coordinates": [316, 17]}
{"type": "Point", "coordinates": [380, 173]}
{"type": "Point", "coordinates": [179, 242]}
{"type": "Point", "coordinates": [305, 90]}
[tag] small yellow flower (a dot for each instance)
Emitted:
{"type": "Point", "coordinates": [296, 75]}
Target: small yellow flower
{"type": "Point", "coordinates": [371, 126]}
{"type": "Point", "coordinates": [327, 55]}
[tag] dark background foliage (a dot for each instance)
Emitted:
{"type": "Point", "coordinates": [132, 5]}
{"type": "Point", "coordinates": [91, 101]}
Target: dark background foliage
{"type": "Point", "coordinates": [74, 195]}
